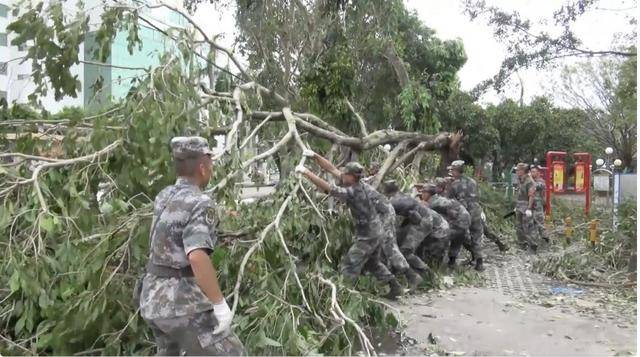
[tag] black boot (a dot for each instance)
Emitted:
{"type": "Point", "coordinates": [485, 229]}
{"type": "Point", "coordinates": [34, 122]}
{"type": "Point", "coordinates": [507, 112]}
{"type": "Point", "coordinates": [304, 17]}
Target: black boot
{"type": "Point", "coordinates": [395, 290]}
{"type": "Point", "coordinates": [413, 278]}
{"type": "Point", "coordinates": [479, 266]}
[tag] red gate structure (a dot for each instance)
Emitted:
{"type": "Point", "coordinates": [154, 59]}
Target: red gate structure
{"type": "Point", "coordinates": [556, 167]}
{"type": "Point", "coordinates": [583, 177]}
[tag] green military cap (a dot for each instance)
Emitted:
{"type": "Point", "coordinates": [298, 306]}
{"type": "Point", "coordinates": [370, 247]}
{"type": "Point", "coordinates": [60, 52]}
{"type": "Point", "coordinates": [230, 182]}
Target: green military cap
{"type": "Point", "coordinates": [187, 147]}
{"type": "Point", "coordinates": [353, 168]}
{"type": "Point", "coordinates": [522, 166]}
{"type": "Point", "coordinates": [457, 164]}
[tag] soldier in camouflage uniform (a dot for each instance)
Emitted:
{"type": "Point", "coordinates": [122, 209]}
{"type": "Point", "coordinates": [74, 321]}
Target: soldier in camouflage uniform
{"type": "Point", "coordinates": [541, 198]}
{"type": "Point", "coordinates": [465, 190]}
{"type": "Point", "coordinates": [419, 224]}
{"type": "Point", "coordinates": [457, 216]}
{"type": "Point", "coordinates": [525, 203]}
{"type": "Point", "coordinates": [367, 206]}
{"type": "Point", "coordinates": [180, 297]}
{"type": "Point", "coordinates": [434, 247]}
{"type": "Point", "coordinates": [444, 184]}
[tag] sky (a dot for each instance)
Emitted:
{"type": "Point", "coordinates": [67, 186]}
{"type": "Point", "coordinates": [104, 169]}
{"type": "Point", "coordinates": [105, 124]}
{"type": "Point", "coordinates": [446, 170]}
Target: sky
{"type": "Point", "coordinates": [484, 52]}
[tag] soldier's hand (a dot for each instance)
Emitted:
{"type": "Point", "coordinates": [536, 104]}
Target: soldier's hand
{"type": "Point", "coordinates": [300, 169]}
{"type": "Point", "coordinates": [308, 153]}
{"type": "Point", "coordinates": [528, 213]}
{"type": "Point", "coordinates": [483, 217]}
{"type": "Point", "coordinates": [224, 316]}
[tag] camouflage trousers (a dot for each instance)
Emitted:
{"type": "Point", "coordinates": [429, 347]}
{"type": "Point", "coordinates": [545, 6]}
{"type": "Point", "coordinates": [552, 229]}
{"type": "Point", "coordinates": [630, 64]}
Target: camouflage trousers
{"type": "Point", "coordinates": [391, 251]}
{"type": "Point", "coordinates": [476, 231]}
{"type": "Point", "coordinates": [364, 254]}
{"type": "Point", "coordinates": [538, 218]}
{"type": "Point", "coordinates": [411, 240]}
{"type": "Point", "coordinates": [458, 238]}
{"type": "Point", "coordinates": [193, 335]}
{"type": "Point", "coordinates": [526, 229]}
{"type": "Point", "coordinates": [434, 248]}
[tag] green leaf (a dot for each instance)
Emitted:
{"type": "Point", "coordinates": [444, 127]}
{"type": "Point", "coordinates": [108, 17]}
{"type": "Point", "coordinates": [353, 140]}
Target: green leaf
{"type": "Point", "coordinates": [47, 224]}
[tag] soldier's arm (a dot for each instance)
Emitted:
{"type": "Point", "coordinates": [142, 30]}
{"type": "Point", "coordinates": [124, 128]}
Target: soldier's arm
{"type": "Point", "coordinates": [532, 197]}
{"type": "Point", "coordinates": [206, 275]}
{"type": "Point", "coordinates": [327, 166]}
{"type": "Point", "coordinates": [318, 181]}
{"type": "Point", "coordinates": [199, 239]}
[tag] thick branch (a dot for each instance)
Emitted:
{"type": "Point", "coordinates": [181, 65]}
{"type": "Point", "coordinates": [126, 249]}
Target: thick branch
{"type": "Point", "coordinates": [388, 162]}
{"type": "Point", "coordinates": [363, 128]}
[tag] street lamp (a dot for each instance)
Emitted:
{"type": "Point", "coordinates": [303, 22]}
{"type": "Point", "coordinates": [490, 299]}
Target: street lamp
{"type": "Point", "coordinates": [608, 151]}
{"type": "Point", "coordinates": [617, 163]}
{"type": "Point", "coordinates": [599, 162]}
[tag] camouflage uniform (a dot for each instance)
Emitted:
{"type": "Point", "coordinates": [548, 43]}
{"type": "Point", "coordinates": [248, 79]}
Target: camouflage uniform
{"type": "Point", "coordinates": [538, 213]}
{"type": "Point", "coordinates": [525, 226]}
{"type": "Point", "coordinates": [364, 202]}
{"type": "Point", "coordinates": [180, 315]}
{"type": "Point", "coordinates": [420, 224]}
{"type": "Point", "coordinates": [458, 218]}
{"type": "Point", "coordinates": [434, 247]}
{"type": "Point", "coordinates": [465, 191]}
{"type": "Point", "coordinates": [390, 248]}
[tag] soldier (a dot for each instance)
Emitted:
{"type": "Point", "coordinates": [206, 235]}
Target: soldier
{"type": "Point", "coordinates": [365, 204]}
{"type": "Point", "coordinates": [420, 223]}
{"type": "Point", "coordinates": [444, 184]}
{"type": "Point", "coordinates": [180, 298]}
{"type": "Point", "coordinates": [525, 203]}
{"type": "Point", "coordinates": [538, 213]}
{"type": "Point", "coordinates": [457, 216]}
{"type": "Point", "coordinates": [434, 246]}
{"type": "Point", "coordinates": [465, 190]}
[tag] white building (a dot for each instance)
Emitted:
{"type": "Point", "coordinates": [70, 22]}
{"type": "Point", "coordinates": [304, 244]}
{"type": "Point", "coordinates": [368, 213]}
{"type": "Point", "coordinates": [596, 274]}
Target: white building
{"type": "Point", "coordinates": [15, 77]}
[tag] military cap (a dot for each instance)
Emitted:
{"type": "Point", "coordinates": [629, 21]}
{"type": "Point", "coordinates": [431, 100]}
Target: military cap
{"type": "Point", "coordinates": [187, 147]}
{"type": "Point", "coordinates": [522, 166]}
{"type": "Point", "coordinates": [429, 188]}
{"type": "Point", "coordinates": [440, 181]}
{"type": "Point", "coordinates": [457, 164]}
{"type": "Point", "coordinates": [353, 168]}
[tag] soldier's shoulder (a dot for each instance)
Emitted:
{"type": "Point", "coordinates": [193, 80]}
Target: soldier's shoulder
{"type": "Point", "coordinates": [191, 198]}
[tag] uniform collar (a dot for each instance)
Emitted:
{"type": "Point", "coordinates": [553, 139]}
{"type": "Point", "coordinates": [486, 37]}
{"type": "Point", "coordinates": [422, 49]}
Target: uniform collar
{"type": "Point", "coordinates": [183, 181]}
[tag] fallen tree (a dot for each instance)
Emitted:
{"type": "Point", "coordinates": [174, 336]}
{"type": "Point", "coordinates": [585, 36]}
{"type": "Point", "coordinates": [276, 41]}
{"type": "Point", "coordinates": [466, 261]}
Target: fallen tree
{"type": "Point", "coordinates": [75, 227]}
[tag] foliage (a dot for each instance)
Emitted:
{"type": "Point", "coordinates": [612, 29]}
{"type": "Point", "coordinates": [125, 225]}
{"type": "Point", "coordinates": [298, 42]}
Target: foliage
{"type": "Point", "coordinates": [606, 90]}
{"type": "Point", "coordinates": [528, 46]}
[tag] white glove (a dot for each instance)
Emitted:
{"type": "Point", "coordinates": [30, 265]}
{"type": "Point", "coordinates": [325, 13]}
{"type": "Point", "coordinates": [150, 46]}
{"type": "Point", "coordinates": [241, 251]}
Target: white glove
{"type": "Point", "coordinates": [483, 217]}
{"type": "Point", "coordinates": [224, 316]}
{"type": "Point", "coordinates": [528, 213]}
{"type": "Point", "coordinates": [300, 169]}
{"type": "Point", "coordinates": [308, 153]}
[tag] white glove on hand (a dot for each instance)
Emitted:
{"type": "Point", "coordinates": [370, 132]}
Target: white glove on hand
{"type": "Point", "coordinates": [224, 316]}
{"type": "Point", "coordinates": [308, 153]}
{"type": "Point", "coordinates": [483, 217]}
{"type": "Point", "coordinates": [528, 213]}
{"type": "Point", "coordinates": [300, 169]}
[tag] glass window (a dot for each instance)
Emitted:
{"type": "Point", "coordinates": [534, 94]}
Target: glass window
{"type": "Point", "coordinates": [3, 95]}
{"type": "Point", "coordinates": [22, 47]}
{"type": "Point", "coordinates": [4, 10]}
{"type": "Point", "coordinates": [3, 67]}
{"type": "Point", "coordinates": [23, 76]}
{"type": "Point", "coordinates": [3, 39]}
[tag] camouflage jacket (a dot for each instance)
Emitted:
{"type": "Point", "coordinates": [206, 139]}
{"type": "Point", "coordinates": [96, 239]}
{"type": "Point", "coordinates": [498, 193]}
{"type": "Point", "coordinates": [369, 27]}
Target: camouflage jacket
{"type": "Point", "coordinates": [368, 207]}
{"type": "Point", "coordinates": [440, 225]}
{"type": "Point", "coordinates": [465, 191]}
{"type": "Point", "coordinates": [452, 210]}
{"type": "Point", "coordinates": [541, 192]}
{"type": "Point", "coordinates": [186, 224]}
{"type": "Point", "coordinates": [408, 207]}
{"type": "Point", "coordinates": [526, 188]}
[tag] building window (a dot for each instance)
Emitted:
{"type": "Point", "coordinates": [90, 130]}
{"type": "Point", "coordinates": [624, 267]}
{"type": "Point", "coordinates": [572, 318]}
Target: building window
{"type": "Point", "coordinates": [22, 47]}
{"type": "Point", "coordinates": [3, 95]}
{"type": "Point", "coordinates": [3, 39]}
{"type": "Point", "coordinates": [22, 77]}
{"type": "Point", "coordinates": [4, 10]}
{"type": "Point", "coordinates": [3, 68]}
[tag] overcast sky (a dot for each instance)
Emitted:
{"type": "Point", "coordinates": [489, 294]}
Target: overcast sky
{"type": "Point", "coordinates": [596, 29]}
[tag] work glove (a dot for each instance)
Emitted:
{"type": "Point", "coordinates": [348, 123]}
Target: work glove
{"type": "Point", "coordinates": [224, 316]}
{"type": "Point", "coordinates": [528, 213]}
{"type": "Point", "coordinates": [308, 153]}
{"type": "Point", "coordinates": [300, 169]}
{"type": "Point", "coordinates": [483, 217]}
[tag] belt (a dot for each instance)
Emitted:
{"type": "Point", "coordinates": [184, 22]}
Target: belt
{"type": "Point", "coordinates": [168, 272]}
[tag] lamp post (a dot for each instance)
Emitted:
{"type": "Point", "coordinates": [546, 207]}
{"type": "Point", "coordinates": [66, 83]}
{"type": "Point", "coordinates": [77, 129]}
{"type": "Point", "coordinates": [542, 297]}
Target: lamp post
{"type": "Point", "coordinates": [617, 165]}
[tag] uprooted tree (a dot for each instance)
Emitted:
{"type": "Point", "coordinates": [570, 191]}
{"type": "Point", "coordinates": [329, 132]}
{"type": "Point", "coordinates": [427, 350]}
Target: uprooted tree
{"type": "Point", "coordinates": [76, 192]}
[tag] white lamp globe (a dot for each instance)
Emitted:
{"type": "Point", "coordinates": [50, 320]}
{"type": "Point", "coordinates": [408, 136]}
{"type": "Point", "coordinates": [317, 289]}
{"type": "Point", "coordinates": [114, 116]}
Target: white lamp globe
{"type": "Point", "coordinates": [387, 147]}
{"type": "Point", "coordinates": [608, 151]}
{"type": "Point", "coordinates": [599, 162]}
{"type": "Point", "coordinates": [617, 162]}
